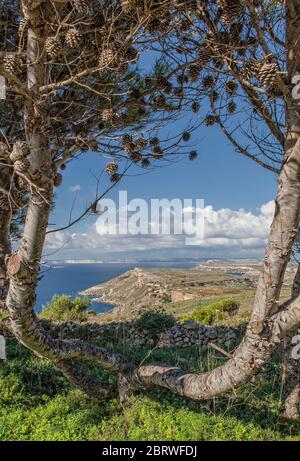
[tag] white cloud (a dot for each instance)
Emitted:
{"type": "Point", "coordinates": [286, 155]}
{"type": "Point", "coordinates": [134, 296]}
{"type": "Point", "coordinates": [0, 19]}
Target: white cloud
{"type": "Point", "coordinates": [227, 233]}
{"type": "Point", "coordinates": [75, 188]}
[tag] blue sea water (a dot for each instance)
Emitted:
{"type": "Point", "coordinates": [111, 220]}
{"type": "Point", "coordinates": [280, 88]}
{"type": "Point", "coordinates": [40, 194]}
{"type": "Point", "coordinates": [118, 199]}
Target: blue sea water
{"type": "Point", "coordinates": [69, 279]}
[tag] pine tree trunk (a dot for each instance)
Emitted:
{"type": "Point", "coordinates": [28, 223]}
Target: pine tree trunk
{"type": "Point", "coordinates": [291, 367]}
{"type": "Point", "coordinates": [291, 380]}
{"type": "Point", "coordinates": [4, 251]}
{"type": "Point", "coordinates": [5, 218]}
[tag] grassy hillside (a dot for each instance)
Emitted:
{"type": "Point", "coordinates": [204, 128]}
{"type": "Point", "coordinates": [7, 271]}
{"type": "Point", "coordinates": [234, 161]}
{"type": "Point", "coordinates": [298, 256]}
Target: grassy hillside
{"type": "Point", "coordinates": [37, 403]}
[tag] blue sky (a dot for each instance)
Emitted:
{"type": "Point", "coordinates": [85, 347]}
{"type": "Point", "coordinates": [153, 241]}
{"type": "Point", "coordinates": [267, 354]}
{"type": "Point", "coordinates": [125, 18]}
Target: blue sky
{"type": "Point", "coordinates": [223, 178]}
{"type": "Point", "coordinates": [220, 176]}
{"type": "Point", "coordinates": [236, 192]}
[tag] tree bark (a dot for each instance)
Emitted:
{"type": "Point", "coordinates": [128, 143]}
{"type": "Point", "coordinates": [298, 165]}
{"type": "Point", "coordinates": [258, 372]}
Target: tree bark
{"type": "Point", "coordinates": [4, 252]}
{"type": "Point", "coordinates": [90, 386]}
{"type": "Point", "coordinates": [291, 370]}
{"type": "Point", "coordinates": [291, 367]}
{"type": "Point", "coordinates": [5, 219]}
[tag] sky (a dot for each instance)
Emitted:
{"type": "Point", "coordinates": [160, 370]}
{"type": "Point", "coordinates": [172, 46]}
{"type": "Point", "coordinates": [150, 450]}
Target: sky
{"type": "Point", "coordinates": [238, 205]}
{"type": "Point", "coordinates": [238, 199]}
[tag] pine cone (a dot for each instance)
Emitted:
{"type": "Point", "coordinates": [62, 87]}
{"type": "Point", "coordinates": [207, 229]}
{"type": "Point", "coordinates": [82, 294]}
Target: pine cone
{"type": "Point", "coordinates": [108, 116]}
{"type": "Point", "coordinates": [275, 91]}
{"type": "Point", "coordinates": [194, 72]}
{"type": "Point", "coordinates": [73, 38]}
{"type": "Point", "coordinates": [154, 141]}
{"type": "Point", "coordinates": [157, 152]}
{"type": "Point", "coordinates": [215, 96]}
{"type": "Point", "coordinates": [58, 180]}
{"type": "Point", "coordinates": [131, 54]}
{"type": "Point", "coordinates": [186, 136]}
{"type": "Point", "coordinates": [267, 74]}
{"type": "Point", "coordinates": [236, 29]}
{"type": "Point", "coordinates": [163, 84]}
{"type": "Point", "coordinates": [111, 168]}
{"type": "Point", "coordinates": [204, 56]}
{"type": "Point", "coordinates": [145, 163]}
{"type": "Point", "coordinates": [141, 143]}
{"type": "Point", "coordinates": [195, 107]}
{"type": "Point", "coordinates": [20, 151]}
{"type": "Point", "coordinates": [127, 143]}
{"type": "Point", "coordinates": [52, 47]}
{"type": "Point", "coordinates": [251, 69]}
{"type": "Point", "coordinates": [231, 107]}
{"type": "Point", "coordinates": [231, 9]}
{"type": "Point", "coordinates": [193, 155]}
{"type": "Point", "coordinates": [127, 138]}
{"type": "Point", "coordinates": [107, 58]}
{"type": "Point", "coordinates": [115, 177]}
{"type": "Point", "coordinates": [128, 5]}
{"type": "Point", "coordinates": [135, 157]}
{"type": "Point", "coordinates": [4, 153]}
{"type": "Point", "coordinates": [208, 81]}
{"type": "Point", "coordinates": [231, 87]}
{"type": "Point", "coordinates": [12, 63]}
{"type": "Point", "coordinates": [220, 43]}
{"type": "Point", "coordinates": [82, 6]}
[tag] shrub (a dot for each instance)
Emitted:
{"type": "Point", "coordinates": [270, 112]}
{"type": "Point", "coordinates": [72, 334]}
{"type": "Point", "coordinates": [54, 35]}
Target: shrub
{"type": "Point", "coordinates": [155, 321]}
{"type": "Point", "coordinates": [66, 309]}
{"type": "Point", "coordinates": [212, 313]}
{"type": "Point", "coordinates": [227, 305]}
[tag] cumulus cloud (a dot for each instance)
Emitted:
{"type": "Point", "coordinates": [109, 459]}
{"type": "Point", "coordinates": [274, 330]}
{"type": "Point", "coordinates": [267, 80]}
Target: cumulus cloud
{"type": "Point", "coordinates": [227, 233]}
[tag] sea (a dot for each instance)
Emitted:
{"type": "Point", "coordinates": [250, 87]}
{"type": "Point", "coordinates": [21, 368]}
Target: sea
{"type": "Point", "coordinates": [69, 279]}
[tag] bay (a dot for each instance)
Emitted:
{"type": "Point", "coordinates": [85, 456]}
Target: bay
{"type": "Point", "coordinates": [69, 279]}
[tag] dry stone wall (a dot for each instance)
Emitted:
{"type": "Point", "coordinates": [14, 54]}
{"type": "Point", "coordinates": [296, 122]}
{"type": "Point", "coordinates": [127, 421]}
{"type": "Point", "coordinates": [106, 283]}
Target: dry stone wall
{"type": "Point", "coordinates": [186, 334]}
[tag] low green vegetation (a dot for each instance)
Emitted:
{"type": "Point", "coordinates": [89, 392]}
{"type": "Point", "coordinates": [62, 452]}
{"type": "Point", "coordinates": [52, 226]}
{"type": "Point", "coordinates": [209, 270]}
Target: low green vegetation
{"type": "Point", "coordinates": [213, 313]}
{"type": "Point", "coordinates": [66, 309]}
{"type": "Point", "coordinates": [154, 321]}
{"type": "Point", "coordinates": [37, 403]}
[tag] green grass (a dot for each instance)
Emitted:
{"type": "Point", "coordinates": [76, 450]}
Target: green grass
{"type": "Point", "coordinates": [37, 403]}
{"type": "Point", "coordinates": [183, 309]}
{"type": "Point", "coordinates": [213, 313]}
